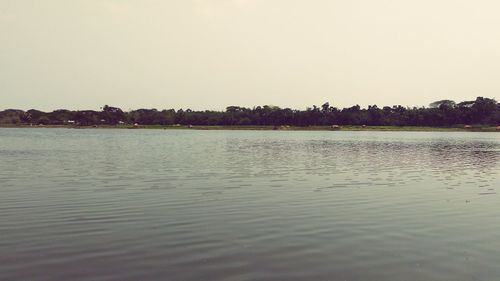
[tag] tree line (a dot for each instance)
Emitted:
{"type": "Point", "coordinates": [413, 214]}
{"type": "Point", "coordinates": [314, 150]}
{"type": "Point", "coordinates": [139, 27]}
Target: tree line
{"type": "Point", "coordinates": [482, 111]}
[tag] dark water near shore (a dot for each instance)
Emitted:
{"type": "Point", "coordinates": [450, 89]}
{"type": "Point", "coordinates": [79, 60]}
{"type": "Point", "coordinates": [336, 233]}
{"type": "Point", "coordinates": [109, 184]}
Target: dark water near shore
{"type": "Point", "coordinates": [248, 205]}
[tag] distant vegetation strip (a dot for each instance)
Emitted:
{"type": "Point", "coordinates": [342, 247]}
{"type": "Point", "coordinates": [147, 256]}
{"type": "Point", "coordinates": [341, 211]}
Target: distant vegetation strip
{"type": "Point", "coordinates": [477, 128]}
{"type": "Point", "coordinates": [480, 113]}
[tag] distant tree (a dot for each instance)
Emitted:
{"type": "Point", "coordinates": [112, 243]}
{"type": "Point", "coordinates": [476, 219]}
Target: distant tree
{"type": "Point", "coordinates": [325, 108]}
{"type": "Point", "coordinates": [112, 115]}
{"type": "Point", "coordinates": [484, 110]}
{"type": "Point", "coordinates": [441, 103]}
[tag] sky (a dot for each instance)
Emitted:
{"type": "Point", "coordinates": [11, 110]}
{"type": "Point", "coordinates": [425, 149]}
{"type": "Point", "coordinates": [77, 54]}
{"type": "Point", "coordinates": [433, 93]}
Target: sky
{"type": "Point", "coordinates": [209, 54]}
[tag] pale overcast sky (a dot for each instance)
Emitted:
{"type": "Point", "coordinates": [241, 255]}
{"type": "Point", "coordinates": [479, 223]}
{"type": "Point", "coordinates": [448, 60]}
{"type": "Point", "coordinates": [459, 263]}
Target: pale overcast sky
{"type": "Point", "coordinates": [207, 54]}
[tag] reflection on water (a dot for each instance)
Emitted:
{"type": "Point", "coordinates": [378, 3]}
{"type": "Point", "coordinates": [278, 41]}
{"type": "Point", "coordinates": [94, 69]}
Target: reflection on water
{"type": "Point", "coordinates": [245, 205]}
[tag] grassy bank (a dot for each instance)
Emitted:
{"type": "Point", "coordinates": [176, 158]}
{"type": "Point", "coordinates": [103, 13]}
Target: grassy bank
{"type": "Point", "coordinates": [280, 128]}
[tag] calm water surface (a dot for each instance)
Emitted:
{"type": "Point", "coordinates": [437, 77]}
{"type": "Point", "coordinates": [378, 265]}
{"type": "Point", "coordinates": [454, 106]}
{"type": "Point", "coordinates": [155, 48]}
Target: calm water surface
{"type": "Point", "coordinates": [248, 205]}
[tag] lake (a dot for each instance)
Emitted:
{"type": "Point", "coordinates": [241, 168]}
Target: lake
{"type": "Point", "coordinates": [248, 205]}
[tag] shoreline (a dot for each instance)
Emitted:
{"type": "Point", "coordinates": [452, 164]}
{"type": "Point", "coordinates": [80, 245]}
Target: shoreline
{"type": "Point", "coordinates": [272, 128]}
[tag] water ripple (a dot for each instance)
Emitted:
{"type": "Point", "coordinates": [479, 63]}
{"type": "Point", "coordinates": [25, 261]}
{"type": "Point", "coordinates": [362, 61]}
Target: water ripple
{"type": "Point", "coordinates": [238, 206]}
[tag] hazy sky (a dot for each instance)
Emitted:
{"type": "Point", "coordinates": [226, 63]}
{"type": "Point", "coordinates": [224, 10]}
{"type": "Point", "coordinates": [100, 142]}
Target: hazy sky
{"type": "Point", "coordinates": [207, 54]}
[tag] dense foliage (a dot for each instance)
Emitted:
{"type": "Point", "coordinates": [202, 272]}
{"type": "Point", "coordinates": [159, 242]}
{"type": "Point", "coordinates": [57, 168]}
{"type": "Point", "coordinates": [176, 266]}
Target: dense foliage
{"type": "Point", "coordinates": [484, 111]}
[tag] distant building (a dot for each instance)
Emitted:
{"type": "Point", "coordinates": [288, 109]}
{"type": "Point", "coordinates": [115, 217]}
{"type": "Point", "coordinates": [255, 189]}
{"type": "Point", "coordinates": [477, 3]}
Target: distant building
{"type": "Point", "coordinates": [336, 127]}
